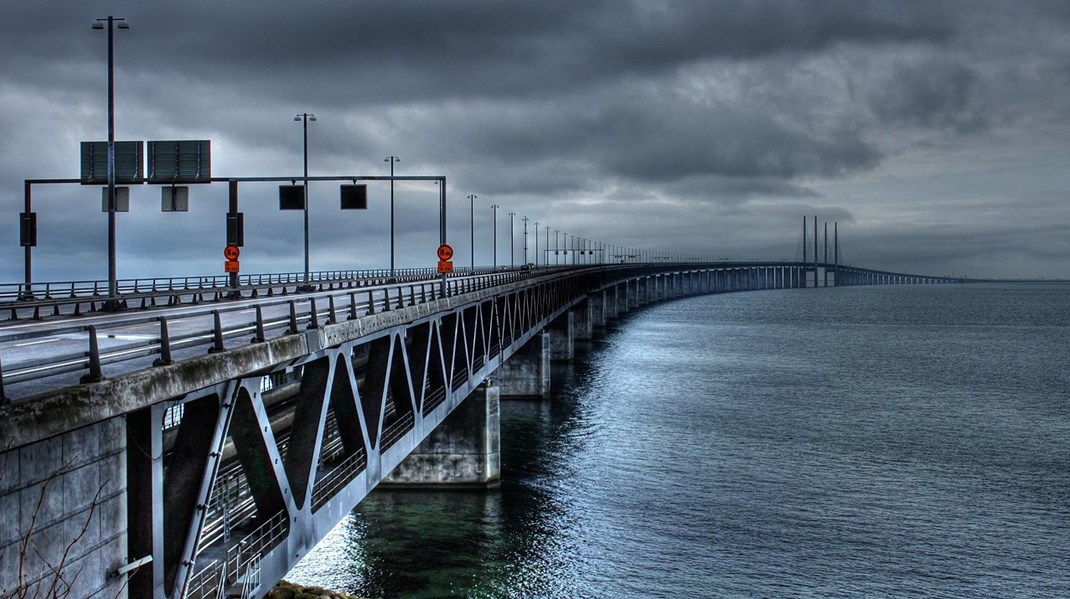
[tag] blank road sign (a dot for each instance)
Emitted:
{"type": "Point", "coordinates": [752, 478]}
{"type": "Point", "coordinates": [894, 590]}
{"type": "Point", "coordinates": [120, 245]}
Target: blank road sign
{"type": "Point", "coordinates": [291, 197]}
{"type": "Point", "coordinates": [174, 198]}
{"type": "Point", "coordinates": [354, 197]}
{"type": "Point", "coordinates": [122, 199]}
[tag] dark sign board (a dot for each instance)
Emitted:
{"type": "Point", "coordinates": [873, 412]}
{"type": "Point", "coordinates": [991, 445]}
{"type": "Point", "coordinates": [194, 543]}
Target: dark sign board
{"type": "Point", "coordinates": [354, 197]}
{"type": "Point", "coordinates": [236, 228]}
{"type": "Point", "coordinates": [129, 161]}
{"type": "Point", "coordinates": [188, 161]}
{"type": "Point", "coordinates": [291, 197]}
{"type": "Point", "coordinates": [28, 229]}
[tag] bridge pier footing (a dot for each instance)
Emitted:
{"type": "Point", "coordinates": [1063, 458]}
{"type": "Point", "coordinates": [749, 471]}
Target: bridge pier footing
{"type": "Point", "coordinates": [463, 452]}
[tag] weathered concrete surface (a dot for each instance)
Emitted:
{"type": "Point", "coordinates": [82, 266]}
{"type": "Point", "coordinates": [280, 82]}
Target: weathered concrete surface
{"type": "Point", "coordinates": [562, 337]}
{"type": "Point", "coordinates": [583, 320]}
{"type": "Point", "coordinates": [598, 309]}
{"type": "Point", "coordinates": [527, 372]}
{"type": "Point", "coordinates": [65, 494]}
{"type": "Point", "coordinates": [465, 450]}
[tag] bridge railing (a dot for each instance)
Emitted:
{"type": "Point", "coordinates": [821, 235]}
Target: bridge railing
{"type": "Point", "coordinates": [76, 297]}
{"type": "Point", "coordinates": [129, 337]}
{"type": "Point", "coordinates": [143, 339]}
{"type": "Point", "coordinates": [55, 290]}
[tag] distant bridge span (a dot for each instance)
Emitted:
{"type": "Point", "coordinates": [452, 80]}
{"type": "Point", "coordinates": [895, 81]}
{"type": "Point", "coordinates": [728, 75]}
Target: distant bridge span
{"type": "Point", "coordinates": [212, 445]}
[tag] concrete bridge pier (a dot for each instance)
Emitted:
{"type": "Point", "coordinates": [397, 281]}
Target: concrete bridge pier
{"type": "Point", "coordinates": [526, 374]}
{"type": "Point", "coordinates": [562, 337]}
{"type": "Point", "coordinates": [633, 294]}
{"type": "Point", "coordinates": [583, 320]}
{"type": "Point", "coordinates": [612, 302]}
{"type": "Point", "coordinates": [599, 308]}
{"type": "Point", "coordinates": [463, 452]}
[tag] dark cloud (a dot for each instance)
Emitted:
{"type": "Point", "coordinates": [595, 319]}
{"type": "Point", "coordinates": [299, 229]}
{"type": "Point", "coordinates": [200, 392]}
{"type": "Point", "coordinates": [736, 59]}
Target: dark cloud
{"type": "Point", "coordinates": [707, 126]}
{"type": "Point", "coordinates": [934, 94]}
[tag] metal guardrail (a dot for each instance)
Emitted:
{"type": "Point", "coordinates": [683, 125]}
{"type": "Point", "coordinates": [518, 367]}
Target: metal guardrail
{"type": "Point", "coordinates": [240, 559]}
{"type": "Point", "coordinates": [206, 327]}
{"type": "Point", "coordinates": [48, 290]}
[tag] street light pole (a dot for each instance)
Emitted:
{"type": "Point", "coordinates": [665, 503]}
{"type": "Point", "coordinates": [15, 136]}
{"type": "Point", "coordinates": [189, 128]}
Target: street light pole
{"type": "Point", "coordinates": [557, 247]}
{"type": "Point", "coordinates": [546, 262]}
{"type": "Point", "coordinates": [391, 160]}
{"type": "Point", "coordinates": [536, 243]}
{"type": "Point", "coordinates": [304, 118]}
{"type": "Point", "coordinates": [525, 219]}
{"type": "Point", "coordinates": [472, 214]}
{"type": "Point", "coordinates": [494, 228]}
{"type": "Point", "coordinates": [112, 304]}
{"type": "Point", "coordinates": [512, 259]}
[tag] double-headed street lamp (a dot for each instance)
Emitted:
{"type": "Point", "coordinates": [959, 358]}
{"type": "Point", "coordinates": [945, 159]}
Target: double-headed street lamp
{"type": "Point", "coordinates": [304, 118]}
{"type": "Point", "coordinates": [112, 304]}
{"type": "Point", "coordinates": [391, 160]}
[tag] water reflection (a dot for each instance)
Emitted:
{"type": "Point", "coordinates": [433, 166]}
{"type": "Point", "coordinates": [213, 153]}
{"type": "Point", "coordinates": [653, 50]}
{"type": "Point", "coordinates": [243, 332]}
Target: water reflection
{"type": "Point", "coordinates": [512, 541]}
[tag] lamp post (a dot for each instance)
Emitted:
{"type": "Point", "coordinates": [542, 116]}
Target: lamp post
{"type": "Point", "coordinates": [557, 247]}
{"type": "Point", "coordinates": [512, 259]}
{"type": "Point", "coordinates": [472, 213]}
{"type": "Point", "coordinates": [304, 118]}
{"type": "Point", "coordinates": [546, 245]}
{"type": "Point", "coordinates": [112, 304]}
{"type": "Point", "coordinates": [525, 219]}
{"type": "Point", "coordinates": [494, 228]}
{"type": "Point", "coordinates": [391, 160]}
{"type": "Point", "coordinates": [536, 243]}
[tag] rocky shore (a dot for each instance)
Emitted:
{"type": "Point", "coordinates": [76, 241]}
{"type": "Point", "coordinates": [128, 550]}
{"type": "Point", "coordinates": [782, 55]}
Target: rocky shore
{"type": "Point", "coordinates": [289, 590]}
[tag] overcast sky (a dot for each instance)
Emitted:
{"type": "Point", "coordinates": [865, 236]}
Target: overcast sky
{"type": "Point", "coordinates": [937, 134]}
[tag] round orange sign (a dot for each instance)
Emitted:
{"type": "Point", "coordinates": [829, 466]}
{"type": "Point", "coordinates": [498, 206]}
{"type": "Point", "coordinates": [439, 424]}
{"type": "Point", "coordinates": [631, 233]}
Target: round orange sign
{"type": "Point", "coordinates": [445, 252]}
{"type": "Point", "coordinates": [231, 252]}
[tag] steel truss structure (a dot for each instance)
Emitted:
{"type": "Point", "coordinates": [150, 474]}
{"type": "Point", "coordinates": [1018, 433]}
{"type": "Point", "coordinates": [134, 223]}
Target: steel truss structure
{"type": "Point", "coordinates": [252, 472]}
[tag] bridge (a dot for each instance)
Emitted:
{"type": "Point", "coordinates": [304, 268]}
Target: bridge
{"type": "Point", "coordinates": [200, 442]}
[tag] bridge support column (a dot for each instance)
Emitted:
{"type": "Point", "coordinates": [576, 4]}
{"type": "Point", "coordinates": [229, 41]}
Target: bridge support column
{"type": "Point", "coordinates": [598, 309]}
{"type": "Point", "coordinates": [62, 484]}
{"type": "Point", "coordinates": [642, 291]}
{"type": "Point", "coordinates": [562, 337]}
{"type": "Point", "coordinates": [527, 372]}
{"type": "Point", "coordinates": [613, 302]}
{"type": "Point", "coordinates": [583, 320]}
{"type": "Point", "coordinates": [631, 297]}
{"type": "Point", "coordinates": [464, 451]}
